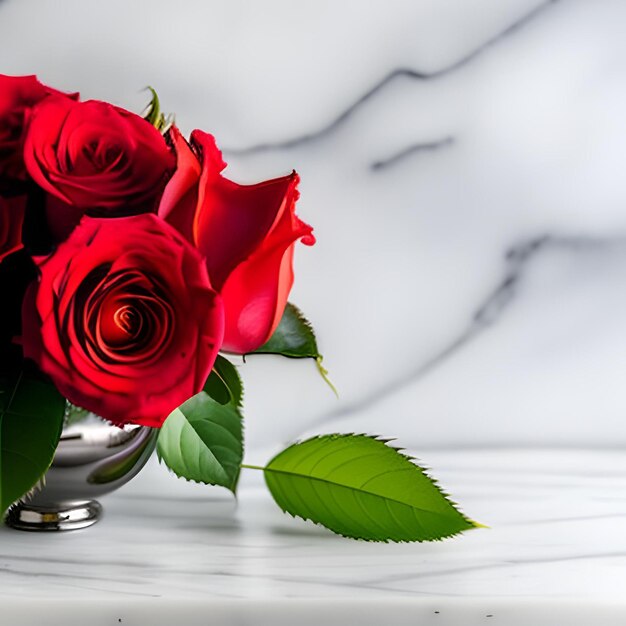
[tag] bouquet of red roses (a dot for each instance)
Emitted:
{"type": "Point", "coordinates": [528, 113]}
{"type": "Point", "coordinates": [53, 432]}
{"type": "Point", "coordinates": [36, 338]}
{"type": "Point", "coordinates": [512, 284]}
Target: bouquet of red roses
{"type": "Point", "coordinates": [128, 262]}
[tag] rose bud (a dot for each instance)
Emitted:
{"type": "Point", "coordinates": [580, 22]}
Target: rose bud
{"type": "Point", "coordinates": [95, 157]}
{"type": "Point", "coordinates": [124, 319]}
{"type": "Point", "coordinates": [247, 234]}
{"type": "Point", "coordinates": [18, 94]}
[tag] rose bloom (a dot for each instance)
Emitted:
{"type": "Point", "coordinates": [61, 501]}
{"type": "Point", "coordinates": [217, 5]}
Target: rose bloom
{"type": "Point", "coordinates": [11, 222]}
{"type": "Point", "coordinates": [18, 94]}
{"type": "Point", "coordinates": [247, 234]}
{"type": "Point", "coordinates": [95, 157]}
{"type": "Point", "coordinates": [124, 319]}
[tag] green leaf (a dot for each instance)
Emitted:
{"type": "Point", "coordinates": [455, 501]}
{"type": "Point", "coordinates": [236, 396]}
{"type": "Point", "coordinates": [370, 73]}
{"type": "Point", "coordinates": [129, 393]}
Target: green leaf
{"type": "Point", "coordinates": [31, 420]}
{"type": "Point", "coordinates": [152, 112]}
{"type": "Point", "coordinates": [224, 384]}
{"type": "Point", "coordinates": [73, 413]}
{"type": "Point", "coordinates": [294, 338]}
{"type": "Point", "coordinates": [202, 440]}
{"type": "Point", "coordinates": [359, 487]}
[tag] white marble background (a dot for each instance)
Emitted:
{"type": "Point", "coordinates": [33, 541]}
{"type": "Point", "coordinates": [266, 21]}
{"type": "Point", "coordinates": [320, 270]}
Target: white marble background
{"type": "Point", "coordinates": [463, 164]}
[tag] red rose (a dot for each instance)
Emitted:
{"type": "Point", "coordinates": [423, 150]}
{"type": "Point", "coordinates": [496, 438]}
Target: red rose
{"type": "Point", "coordinates": [11, 221]}
{"type": "Point", "coordinates": [18, 94]}
{"type": "Point", "coordinates": [247, 233]}
{"type": "Point", "coordinates": [97, 157]}
{"type": "Point", "coordinates": [124, 319]}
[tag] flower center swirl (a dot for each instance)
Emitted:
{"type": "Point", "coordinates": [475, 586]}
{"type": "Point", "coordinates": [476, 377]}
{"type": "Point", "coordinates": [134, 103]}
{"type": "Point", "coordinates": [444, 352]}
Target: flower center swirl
{"type": "Point", "coordinates": [121, 317]}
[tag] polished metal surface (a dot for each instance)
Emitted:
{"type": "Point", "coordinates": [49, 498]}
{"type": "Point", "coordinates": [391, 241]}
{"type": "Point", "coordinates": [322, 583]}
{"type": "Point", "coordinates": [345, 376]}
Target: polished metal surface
{"type": "Point", "coordinates": [93, 458]}
{"type": "Point", "coordinates": [65, 517]}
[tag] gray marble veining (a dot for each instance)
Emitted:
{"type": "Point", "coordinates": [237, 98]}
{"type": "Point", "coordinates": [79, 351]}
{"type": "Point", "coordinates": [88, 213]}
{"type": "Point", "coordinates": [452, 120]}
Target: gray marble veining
{"type": "Point", "coordinates": [462, 165]}
{"type": "Point", "coordinates": [462, 162]}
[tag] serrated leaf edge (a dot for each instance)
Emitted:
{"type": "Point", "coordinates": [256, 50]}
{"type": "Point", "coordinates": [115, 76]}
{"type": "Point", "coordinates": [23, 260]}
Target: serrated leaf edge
{"type": "Point", "coordinates": [172, 471]}
{"type": "Point", "coordinates": [400, 451]}
{"type": "Point", "coordinates": [41, 481]}
{"type": "Point", "coordinates": [232, 488]}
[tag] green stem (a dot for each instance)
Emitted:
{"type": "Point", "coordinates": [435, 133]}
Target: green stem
{"type": "Point", "coordinates": [324, 373]}
{"type": "Point", "coordinates": [254, 467]}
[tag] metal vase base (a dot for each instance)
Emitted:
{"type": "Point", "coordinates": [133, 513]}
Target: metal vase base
{"type": "Point", "coordinates": [93, 458]}
{"type": "Point", "coordinates": [70, 516]}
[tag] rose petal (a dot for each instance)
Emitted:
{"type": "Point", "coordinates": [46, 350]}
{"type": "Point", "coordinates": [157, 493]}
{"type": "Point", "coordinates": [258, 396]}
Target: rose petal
{"type": "Point", "coordinates": [97, 157]}
{"type": "Point", "coordinates": [255, 293]}
{"type": "Point", "coordinates": [70, 327]}
{"type": "Point", "coordinates": [12, 212]}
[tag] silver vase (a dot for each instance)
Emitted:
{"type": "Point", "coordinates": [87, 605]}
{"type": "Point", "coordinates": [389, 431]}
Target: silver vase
{"type": "Point", "coordinates": [93, 458]}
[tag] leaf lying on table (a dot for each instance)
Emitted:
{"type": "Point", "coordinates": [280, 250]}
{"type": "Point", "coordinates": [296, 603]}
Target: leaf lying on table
{"type": "Point", "coordinates": [294, 338]}
{"type": "Point", "coordinates": [202, 440]}
{"type": "Point", "coordinates": [31, 420]}
{"type": "Point", "coordinates": [359, 487]}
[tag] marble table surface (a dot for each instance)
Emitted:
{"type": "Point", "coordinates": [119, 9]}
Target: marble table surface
{"type": "Point", "coordinates": [555, 553]}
